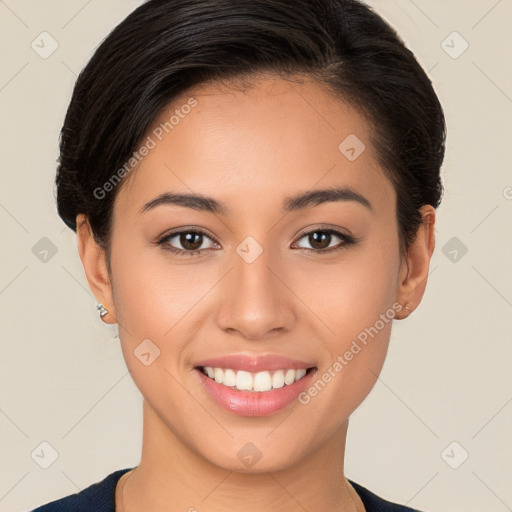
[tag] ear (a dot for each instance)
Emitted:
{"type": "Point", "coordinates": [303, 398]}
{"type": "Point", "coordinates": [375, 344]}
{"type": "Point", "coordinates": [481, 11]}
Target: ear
{"type": "Point", "coordinates": [414, 270]}
{"type": "Point", "coordinates": [95, 267]}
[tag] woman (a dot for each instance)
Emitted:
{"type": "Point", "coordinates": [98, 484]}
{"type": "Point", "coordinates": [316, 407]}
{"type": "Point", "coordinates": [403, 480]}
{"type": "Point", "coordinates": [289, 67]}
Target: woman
{"type": "Point", "coordinates": [253, 185]}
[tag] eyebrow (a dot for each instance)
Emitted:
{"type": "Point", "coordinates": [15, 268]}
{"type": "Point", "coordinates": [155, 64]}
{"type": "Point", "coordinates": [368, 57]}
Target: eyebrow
{"type": "Point", "coordinates": [298, 202]}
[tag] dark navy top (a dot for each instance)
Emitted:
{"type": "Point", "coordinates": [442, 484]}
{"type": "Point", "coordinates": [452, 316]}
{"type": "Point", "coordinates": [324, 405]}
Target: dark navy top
{"type": "Point", "coordinates": [100, 497]}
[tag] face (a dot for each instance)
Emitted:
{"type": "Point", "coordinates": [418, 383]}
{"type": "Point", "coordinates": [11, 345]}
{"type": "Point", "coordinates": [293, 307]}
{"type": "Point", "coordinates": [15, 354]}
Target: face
{"type": "Point", "coordinates": [315, 280]}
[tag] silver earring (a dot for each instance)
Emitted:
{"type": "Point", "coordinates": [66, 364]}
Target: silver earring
{"type": "Point", "coordinates": [406, 307]}
{"type": "Point", "coordinates": [101, 309]}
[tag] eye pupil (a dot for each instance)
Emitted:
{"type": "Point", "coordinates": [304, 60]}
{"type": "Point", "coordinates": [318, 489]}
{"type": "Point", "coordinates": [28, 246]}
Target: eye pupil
{"type": "Point", "coordinates": [317, 241]}
{"type": "Point", "coordinates": [190, 240]}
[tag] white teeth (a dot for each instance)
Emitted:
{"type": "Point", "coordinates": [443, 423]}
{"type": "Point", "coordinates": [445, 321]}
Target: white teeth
{"type": "Point", "coordinates": [260, 381]}
{"type": "Point", "coordinates": [218, 375]}
{"type": "Point", "coordinates": [243, 380]}
{"type": "Point", "coordinates": [278, 379]}
{"type": "Point", "coordinates": [229, 378]}
{"type": "Point", "coordinates": [300, 373]}
{"type": "Point", "coordinates": [289, 377]}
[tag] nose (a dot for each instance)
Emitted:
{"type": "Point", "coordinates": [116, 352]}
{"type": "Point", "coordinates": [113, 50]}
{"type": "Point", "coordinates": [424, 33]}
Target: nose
{"type": "Point", "coordinates": [256, 301]}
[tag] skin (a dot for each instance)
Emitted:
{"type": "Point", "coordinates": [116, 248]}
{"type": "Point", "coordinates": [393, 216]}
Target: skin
{"type": "Point", "coordinates": [252, 149]}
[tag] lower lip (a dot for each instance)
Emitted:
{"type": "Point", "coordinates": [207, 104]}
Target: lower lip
{"type": "Point", "coordinates": [257, 403]}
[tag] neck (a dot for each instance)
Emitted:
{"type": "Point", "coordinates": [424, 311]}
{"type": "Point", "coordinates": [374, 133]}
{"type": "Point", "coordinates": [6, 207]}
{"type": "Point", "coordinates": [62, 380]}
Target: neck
{"type": "Point", "coordinates": [170, 476]}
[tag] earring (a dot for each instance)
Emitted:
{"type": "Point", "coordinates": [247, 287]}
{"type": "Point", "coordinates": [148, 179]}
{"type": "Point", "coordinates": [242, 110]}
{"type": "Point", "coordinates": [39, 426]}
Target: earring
{"type": "Point", "coordinates": [407, 308]}
{"type": "Point", "coordinates": [102, 310]}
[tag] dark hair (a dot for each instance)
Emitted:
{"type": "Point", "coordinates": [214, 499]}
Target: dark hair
{"type": "Point", "coordinates": [167, 46]}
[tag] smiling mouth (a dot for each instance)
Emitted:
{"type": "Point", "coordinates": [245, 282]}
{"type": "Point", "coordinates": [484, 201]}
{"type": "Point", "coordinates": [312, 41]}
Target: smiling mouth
{"type": "Point", "coordinates": [262, 381]}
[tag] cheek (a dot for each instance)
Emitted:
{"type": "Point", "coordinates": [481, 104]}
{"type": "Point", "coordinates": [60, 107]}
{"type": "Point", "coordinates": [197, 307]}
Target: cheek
{"type": "Point", "coordinates": [162, 301]}
{"type": "Point", "coordinates": [351, 295]}
{"type": "Point", "coordinates": [154, 291]}
{"type": "Point", "coordinates": [152, 299]}
{"type": "Point", "coordinates": [354, 301]}
{"type": "Point", "coordinates": [158, 295]}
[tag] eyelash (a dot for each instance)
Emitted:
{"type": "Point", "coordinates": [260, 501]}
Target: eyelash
{"type": "Point", "coordinates": [347, 240]}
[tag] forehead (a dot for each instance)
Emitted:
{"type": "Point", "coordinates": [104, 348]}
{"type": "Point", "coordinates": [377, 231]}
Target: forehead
{"type": "Point", "coordinates": [268, 139]}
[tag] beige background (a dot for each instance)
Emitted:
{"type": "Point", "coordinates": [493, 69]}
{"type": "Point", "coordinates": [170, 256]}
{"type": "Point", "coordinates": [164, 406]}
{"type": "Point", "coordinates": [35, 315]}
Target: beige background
{"type": "Point", "coordinates": [447, 377]}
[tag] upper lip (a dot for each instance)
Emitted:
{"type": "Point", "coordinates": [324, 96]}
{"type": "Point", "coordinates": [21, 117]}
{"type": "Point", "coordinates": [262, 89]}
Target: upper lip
{"type": "Point", "coordinates": [254, 363]}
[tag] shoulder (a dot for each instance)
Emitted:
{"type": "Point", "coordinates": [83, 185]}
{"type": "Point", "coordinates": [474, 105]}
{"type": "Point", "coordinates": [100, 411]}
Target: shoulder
{"type": "Point", "coordinates": [374, 503]}
{"type": "Point", "coordinates": [99, 497]}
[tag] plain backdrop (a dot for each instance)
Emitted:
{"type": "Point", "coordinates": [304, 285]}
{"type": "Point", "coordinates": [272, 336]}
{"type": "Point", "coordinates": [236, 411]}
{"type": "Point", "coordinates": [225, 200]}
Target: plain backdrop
{"type": "Point", "coordinates": [434, 433]}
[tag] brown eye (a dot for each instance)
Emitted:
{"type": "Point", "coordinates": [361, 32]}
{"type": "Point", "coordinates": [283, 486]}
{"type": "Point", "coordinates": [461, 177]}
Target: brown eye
{"type": "Point", "coordinates": [320, 240]}
{"type": "Point", "coordinates": [191, 241]}
{"type": "Point", "coordinates": [186, 242]}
